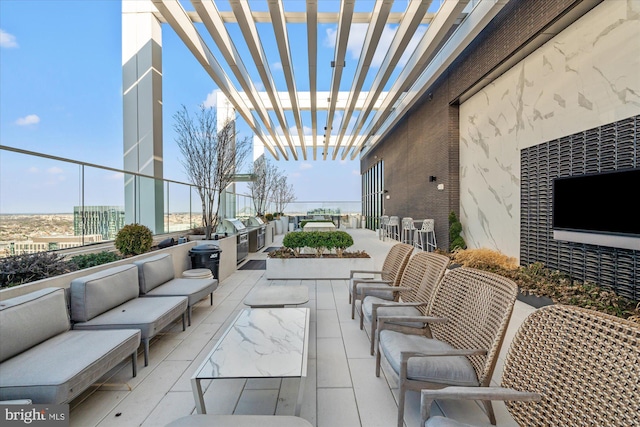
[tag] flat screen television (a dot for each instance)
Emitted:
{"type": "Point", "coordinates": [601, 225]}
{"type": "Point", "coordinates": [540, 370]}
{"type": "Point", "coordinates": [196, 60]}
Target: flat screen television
{"type": "Point", "coordinates": [600, 209]}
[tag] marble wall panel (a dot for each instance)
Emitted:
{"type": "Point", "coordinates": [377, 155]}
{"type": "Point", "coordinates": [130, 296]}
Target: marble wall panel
{"type": "Point", "coordinates": [586, 76]}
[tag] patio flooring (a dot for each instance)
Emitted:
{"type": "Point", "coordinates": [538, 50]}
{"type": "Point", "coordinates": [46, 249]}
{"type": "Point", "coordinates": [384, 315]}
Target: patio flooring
{"type": "Point", "coordinates": [341, 388]}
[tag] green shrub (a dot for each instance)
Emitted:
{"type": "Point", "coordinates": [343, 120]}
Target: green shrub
{"type": "Point", "coordinates": [268, 217]}
{"type": "Point", "coordinates": [91, 260]}
{"type": "Point", "coordinates": [19, 269]}
{"type": "Point", "coordinates": [134, 239]}
{"type": "Point", "coordinates": [318, 240]}
{"type": "Point", "coordinates": [455, 228]}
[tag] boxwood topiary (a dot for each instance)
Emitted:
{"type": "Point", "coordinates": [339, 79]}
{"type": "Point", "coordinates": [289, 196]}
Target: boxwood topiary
{"type": "Point", "coordinates": [134, 239]}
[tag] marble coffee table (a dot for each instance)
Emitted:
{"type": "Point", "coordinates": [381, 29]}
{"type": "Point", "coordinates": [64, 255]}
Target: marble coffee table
{"type": "Point", "coordinates": [265, 343]}
{"type": "Point", "coordinates": [277, 296]}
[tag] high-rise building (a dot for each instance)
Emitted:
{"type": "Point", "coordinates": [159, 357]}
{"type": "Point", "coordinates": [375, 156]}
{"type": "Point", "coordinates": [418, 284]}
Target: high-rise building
{"type": "Point", "coordinates": [104, 220]}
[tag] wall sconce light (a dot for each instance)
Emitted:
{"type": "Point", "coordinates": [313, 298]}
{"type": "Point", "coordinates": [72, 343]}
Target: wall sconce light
{"type": "Point", "coordinates": [432, 178]}
{"type": "Point", "coordinates": [441, 187]}
{"type": "Point", "coordinates": [387, 197]}
{"type": "Point", "coordinates": [386, 194]}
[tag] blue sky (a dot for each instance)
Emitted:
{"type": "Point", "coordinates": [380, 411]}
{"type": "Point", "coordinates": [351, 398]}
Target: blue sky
{"type": "Point", "coordinates": [61, 94]}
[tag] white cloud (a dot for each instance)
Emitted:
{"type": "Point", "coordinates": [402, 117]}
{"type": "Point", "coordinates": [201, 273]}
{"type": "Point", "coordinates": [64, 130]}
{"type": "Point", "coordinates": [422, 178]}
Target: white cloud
{"type": "Point", "coordinates": [31, 119]}
{"type": "Point", "coordinates": [305, 166]}
{"type": "Point", "coordinates": [330, 38]}
{"type": "Point", "coordinates": [276, 66]}
{"type": "Point", "coordinates": [211, 100]}
{"type": "Point", "coordinates": [33, 169]}
{"type": "Point", "coordinates": [259, 86]}
{"type": "Point", "coordinates": [117, 176]}
{"type": "Point", "coordinates": [356, 41]}
{"type": "Point", "coordinates": [355, 172]}
{"type": "Point", "coordinates": [7, 40]}
{"type": "Point", "coordinates": [55, 170]}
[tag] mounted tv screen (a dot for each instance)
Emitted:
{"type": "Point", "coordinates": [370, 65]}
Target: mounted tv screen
{"type": "Point", "coordinates": [601, 204]}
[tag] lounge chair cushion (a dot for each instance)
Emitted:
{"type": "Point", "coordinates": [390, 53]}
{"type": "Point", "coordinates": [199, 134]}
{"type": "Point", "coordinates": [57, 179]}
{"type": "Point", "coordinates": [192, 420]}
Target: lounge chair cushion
{"type": "Point", "coordinates": [444, 422]}
{"type": "Point", "coordinates": [63, 366]}
{"type": "Point", "coordinates": [367, 309]}
{"type": "Point", "coordinates": [450, 370]}
{"type": "Point", "coordinates": [96, 293]}
{"type": "Point", "coordinates": [154, 271]}
{"type": "Point", "coordinates": [150, 315]}
{"type": "Point", "coordinates": [46, 308]}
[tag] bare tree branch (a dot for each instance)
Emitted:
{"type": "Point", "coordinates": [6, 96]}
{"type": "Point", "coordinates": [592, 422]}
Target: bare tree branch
{"type": "Point", "coordinates": [210, 158]}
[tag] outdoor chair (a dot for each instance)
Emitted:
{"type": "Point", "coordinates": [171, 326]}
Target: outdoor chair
{"type": "Point", "coordinates": [393, 228]}
{"type": "Point", "coordinates": [408, 230]}
{"type": "Point", "coordinates": [384, 222]}
{"type": "Point", "coordinates": [566, 366]}
{"type": "Point", "coordinates": [392, 268]}
{"type": "Point", "coordinates": [426, 236]}
{"type": "Point", "coordinates": [468, 318]}
{"type": "Point", "coordinates": [417, 285]}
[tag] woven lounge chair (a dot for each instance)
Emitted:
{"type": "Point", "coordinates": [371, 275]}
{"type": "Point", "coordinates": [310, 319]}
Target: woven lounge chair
{"type": "Point", "coordinates": [566, 366]}
{"type": "Point", "coordinates": [392, 268]}
{"type": "Point", "coordinates": [417, 286]}
{"type": "Point", "coordinates": [468, 318]}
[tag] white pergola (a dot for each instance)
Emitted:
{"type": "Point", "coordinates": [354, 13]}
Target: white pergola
{"type": "Point", "coordinates": [378, 96]}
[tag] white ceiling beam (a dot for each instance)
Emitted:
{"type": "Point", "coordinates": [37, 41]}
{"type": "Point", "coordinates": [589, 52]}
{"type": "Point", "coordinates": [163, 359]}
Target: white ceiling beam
{"type": "Point", "coordinates": [342, 38]}
{"type": "Point", "coordinates": [413, 16]}
{"type": "Point", "coordinates": [300, 17]}
{"type": "Point", "coordinates": [312, 52]}
{"type": "Point", "coordinates": [282, 39]}
{"type": "Point", "coordinates": [178, 19]}
{"type": "Point", "coordinates": [468, 30]}
{"type": "Point", "coordinates": [304, 100]}
{"type": "Point", "coordinates": [247, 25]}
{"type": "Point", "coordinates": [212, 21]}
{"type": "Point", "coordinates": [374, 32]}
{"type": "Point", "coordinates": [446, 17]}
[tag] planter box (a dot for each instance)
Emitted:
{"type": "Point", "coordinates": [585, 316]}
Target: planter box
{"type": "Point", "coordinates": [315, 268]}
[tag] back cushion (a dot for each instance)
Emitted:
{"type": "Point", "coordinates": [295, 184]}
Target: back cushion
{"type": "Point", "coordinates": [154, 271]}
{"type": "Point", "coordinates": [99, 292]}
{"type": "Point", "coordinates": [28, 320]}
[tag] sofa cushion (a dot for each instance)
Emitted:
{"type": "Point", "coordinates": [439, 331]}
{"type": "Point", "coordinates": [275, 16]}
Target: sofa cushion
{"type": "Point", "coordinates": [452, 370]}
{"type": "Point", "coordinates": [30, 319]}
{"type": "Point", "coordinates": [438, 421]}
{"type": "Point", "coordinates": [150, 315]}
{"type": "Point", "coordinates": [96, 293]}
{"type": "Point", "coordinates": [62, 367]}
{"type": "Point", "coordinates": [194, 289]}
{"type": "Point", "coordinates": [154, 271]}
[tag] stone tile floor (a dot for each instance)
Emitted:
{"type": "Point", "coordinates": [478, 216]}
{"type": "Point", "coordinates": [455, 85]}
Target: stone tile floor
{"type": "Point", "coordinates": [341, 388]}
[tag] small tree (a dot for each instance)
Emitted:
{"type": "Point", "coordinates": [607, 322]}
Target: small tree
{"type": "Point", "coordinates": [283, 194]}
{"type": "Point", "coordinates": [266, 174]}
{"type": "Point", "coordinates": [210, 158]}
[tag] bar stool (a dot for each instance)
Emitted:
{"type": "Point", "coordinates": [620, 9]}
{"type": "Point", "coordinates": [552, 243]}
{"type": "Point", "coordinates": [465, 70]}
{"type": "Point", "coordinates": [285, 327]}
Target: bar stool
{"type": "Point", "coordinates": [393, 229]}
{"type": "Point", "coordinates": [407, 230]}
{"type": "Point", "coordinates": [382, 231]}
{"type": "Point", "coordinates": [426, 236]}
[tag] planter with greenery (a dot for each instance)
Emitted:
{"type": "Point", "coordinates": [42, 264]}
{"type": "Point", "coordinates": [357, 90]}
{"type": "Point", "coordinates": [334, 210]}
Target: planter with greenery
{"type": "Point", "coordinates": [316, 254]}
{"type": "Point", "coordinates": [539, 281]}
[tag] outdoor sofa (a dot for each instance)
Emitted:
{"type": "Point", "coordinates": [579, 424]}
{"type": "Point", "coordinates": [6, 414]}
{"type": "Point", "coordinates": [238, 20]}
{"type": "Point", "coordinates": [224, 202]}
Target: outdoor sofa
{"type": "Point", "coordinates": [109, 299]}
{"type": "Point", "coordinates": [43, 361]}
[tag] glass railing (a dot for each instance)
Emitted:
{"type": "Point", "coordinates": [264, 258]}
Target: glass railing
{"type": "Point", "coordinates": [49, 203]}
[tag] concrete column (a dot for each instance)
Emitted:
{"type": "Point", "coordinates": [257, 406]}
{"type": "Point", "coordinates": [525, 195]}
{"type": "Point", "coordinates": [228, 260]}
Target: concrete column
{"type": "Point", "coordinates": [142, 109]}
{"type": "Point", "coordinates": [225, 112]}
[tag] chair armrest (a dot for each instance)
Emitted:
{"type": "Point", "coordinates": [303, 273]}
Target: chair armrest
{"type": "Point", "coordinates": [376, 305]}
{"type": "Point", "coordinates": [365, 272]}
{"type": "Point", "coordinates": [384, 287]}
{"type": "Point", "coordinates": [383, 320]}
{"type": "Point", "coordinates": [354, 289]}
{"type": "Point", "coordinates": [472, 393]}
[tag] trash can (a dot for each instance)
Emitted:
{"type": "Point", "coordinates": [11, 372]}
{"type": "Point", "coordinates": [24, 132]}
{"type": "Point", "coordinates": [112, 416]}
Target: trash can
{"type": "Point", "coordinates": [206, 256]}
